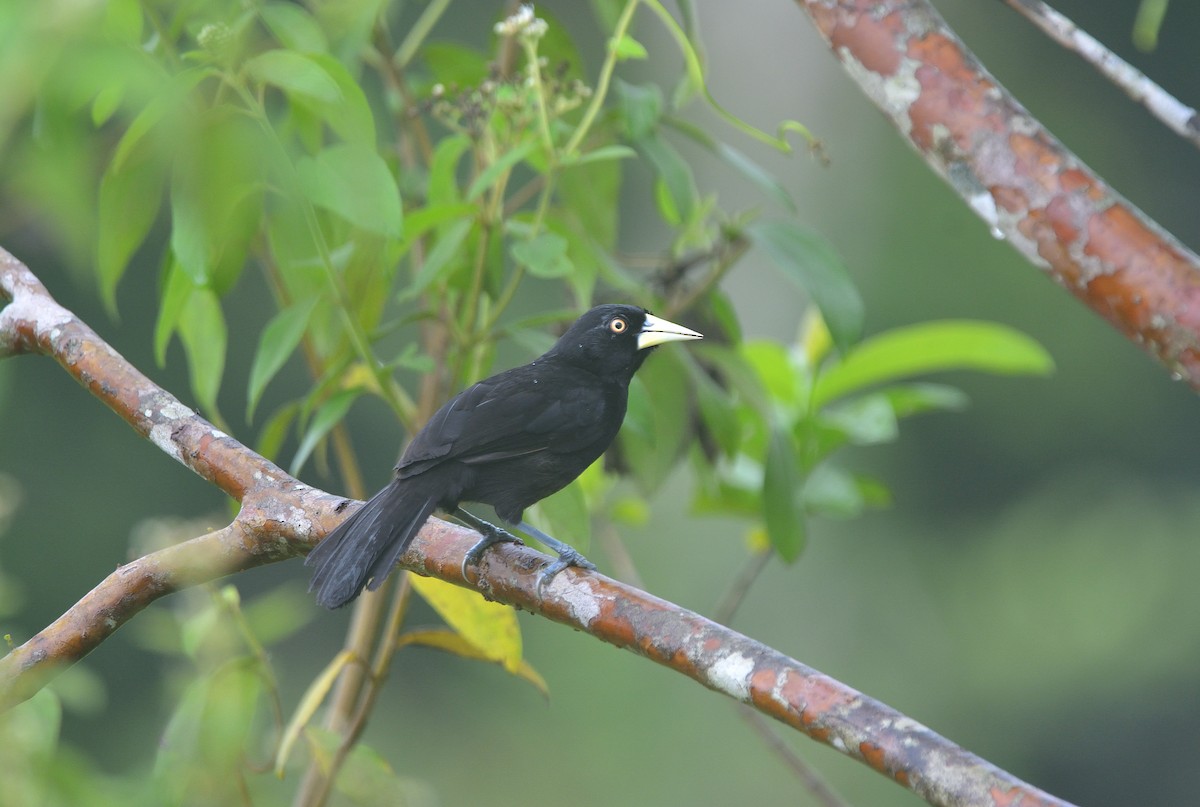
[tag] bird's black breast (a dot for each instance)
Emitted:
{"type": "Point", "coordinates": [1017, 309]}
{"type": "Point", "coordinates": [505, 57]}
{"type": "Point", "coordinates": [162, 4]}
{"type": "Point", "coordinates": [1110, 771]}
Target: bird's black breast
{"type": "Point", "coordinates": [519, 436]}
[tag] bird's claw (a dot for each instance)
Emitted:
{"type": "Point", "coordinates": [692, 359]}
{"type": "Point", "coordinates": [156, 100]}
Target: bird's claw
{"type": "Point", "coordinates": [493, 536]}
{"type": "Point", "coordinates": [568, 556]}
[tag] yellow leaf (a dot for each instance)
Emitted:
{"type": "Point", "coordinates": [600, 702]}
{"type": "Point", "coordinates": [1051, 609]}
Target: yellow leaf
{"type": "Point", "coordinates": [453, 642]}
{"type": "Point", "coordinates": [359, 375]}
{"type": "Point", "coordinates": [312, 699]}
{"type": "Point", "coordinates": [815, 339]}
{"type": "Point", "coordinates": [757, 540]}
{"type": "Point", "coordinates": [490, 627]}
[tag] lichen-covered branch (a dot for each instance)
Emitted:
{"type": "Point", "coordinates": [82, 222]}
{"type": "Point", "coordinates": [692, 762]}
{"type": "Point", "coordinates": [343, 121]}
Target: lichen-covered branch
{"type": "Point", "coordinates": [1025, 185]}
{"type": "Point", "coordinates": [282, 518]}
{"type": "Point", "coordinates": [1180, 118]}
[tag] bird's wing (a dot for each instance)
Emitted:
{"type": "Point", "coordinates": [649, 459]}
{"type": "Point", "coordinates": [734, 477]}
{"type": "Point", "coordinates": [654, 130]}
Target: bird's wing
{"type": "Point", "coordinates": [517, 412]}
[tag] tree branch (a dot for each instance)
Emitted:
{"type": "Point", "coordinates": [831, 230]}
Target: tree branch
{"type": "Point", "coordinates": [1177, 116]}
{"type": "Point", "coordinates": [281, 518]}
{"type": "Point", "coordinates": [1025, 185]}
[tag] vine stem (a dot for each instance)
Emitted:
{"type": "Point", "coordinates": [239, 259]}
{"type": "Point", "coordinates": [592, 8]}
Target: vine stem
{"type": "Point", "coordinates": [606, 73]}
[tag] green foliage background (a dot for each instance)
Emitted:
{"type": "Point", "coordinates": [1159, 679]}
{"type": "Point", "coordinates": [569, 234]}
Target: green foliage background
{"type": "Point", "coordinates": [1029, 593]}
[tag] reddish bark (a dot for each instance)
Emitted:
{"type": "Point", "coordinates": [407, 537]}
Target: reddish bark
{"type": "Point", "coordinates": [1025, 184]}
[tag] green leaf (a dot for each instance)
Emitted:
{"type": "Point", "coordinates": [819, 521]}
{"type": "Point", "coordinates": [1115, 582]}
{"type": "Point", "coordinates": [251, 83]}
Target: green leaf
{"type": "Point", "coordinates": [640, 107]}
{"type": "Point", "coordinates": [123, 21]}
{"type": "Point", "coordinates": [566, 516]}
{"type": "Point", "coordinates": [811, 263]}
{"type": "Point", "coordinates": [781, 509]}
{"type": "Point", "coordinates": [294, 27]}
{"type": "Point", "coordinates": [355, 183]}
{"type": "Point", "coordinates": [584, 254]}
{"type": "Point", "coordinates": [275, 430]}
{"type": "Point", "coordinates": [350, 113]}
{"type": "Point", "coordinates": [736, 374]}
{"type": "Point", "coordinates": [454, 65]}
{"type": "Point", "coordinates": [544, 255]}
{"type": "Point", "coordinates": [490, 175]}
{"type": "Point", "coordinates": [607, 13]}
{"type": "Point", "coordinates": [1148, 23]}
{"type": "Point", "coordinates": [917, 397]}
{"type": "Point", "coordinates": [106, 103]}
{"type": "Point", "coordinates": [295, 74]}
{"type": "Point", "coordinates": [675, 174]}
{"type": "Point", "coordinates": [163, 107]}
{"type": "Point", "coordinates": [732, 487]}
{"type": "Point", "coordinates": [659, 419]}
{"type": "Point", "coordinates": [488, 626]}
{"type": "Point", "coordinates": [34, 727]}
{"type": "Point", "coordinates": [443, 171]}
{"type": "Point", "coordinates": [833, 493]}
{"type": "Point", "coordinates": [424, 219]}
{"type": "Point", "coordinates": [189, 233]}
{"type": "Point", "coordinates": [868, 420]}
{"type": "Point", "coordinates": [933, 347]}
{"type": "Point", "coordinates": [779, 376]}
{"type": "Point", "coordinates": [328, 415]}
{"type": "Point", "coordinates": [277, 342]}
{"type": "Point", "coordinates": [602, 154]}
{"type": "Point", "coordinates": [695, 77]}
{"type": "Point", "coordinates": [128, 204]}
{"type": "Point", "coordinates": [628, 48]}
{"type": "Point", "coordinates": [747, 167]}
{"type": "Point", "coordinates": [441, 259]}
{"type": "Point", "coordinates": [717, 410]}
{"type": "Point", "coordinates": [216, 198]}
{"type": "Point", "coordinates": [203, 333]}
{"type": "Point", "coordinates": [177, 290]}
{"type": "Point", "coordinates": [178, 744]}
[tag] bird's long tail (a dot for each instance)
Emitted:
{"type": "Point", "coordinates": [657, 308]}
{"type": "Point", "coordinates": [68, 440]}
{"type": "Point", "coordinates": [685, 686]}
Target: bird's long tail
{"type": "Point", "coordinates": [364, 548]}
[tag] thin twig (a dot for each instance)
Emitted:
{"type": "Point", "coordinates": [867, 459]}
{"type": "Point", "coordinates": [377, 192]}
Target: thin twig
{"type": "Point", "coordinates": [618, 554]}
{"type": "Point", "coordinates": [1177, 116]}
{"type": "Point", "coordinates": [808, 776]}
{"type": "Point", "coordinates": [741, 586]}
{"type": "Point", "coordinates": [812, 781]}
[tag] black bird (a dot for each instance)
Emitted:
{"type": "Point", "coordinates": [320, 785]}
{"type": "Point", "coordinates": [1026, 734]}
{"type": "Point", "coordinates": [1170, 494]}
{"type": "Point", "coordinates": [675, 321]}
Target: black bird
{"type": "Point", "coordinates": [509, 441]}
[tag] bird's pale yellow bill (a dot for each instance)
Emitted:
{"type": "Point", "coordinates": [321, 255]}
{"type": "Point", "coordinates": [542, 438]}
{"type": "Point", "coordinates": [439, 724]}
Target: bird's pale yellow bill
{"type": "Point", "coordinates": [655, 331]}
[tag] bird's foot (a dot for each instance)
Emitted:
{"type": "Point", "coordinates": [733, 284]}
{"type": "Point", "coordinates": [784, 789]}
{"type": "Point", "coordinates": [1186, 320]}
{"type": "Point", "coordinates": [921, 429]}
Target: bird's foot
{"type": "Point", "coordinates": [567, 556]}
{"type": "Point", "coordinates": [491, 535]}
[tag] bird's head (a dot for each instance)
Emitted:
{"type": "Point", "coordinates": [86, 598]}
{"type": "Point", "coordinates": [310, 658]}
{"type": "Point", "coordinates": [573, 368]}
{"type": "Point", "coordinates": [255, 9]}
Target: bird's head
{"type": "Point", "coordinates": [614, 340]}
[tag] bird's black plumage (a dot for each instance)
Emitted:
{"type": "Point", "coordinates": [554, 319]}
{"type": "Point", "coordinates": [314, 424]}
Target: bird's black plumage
{"type": "Point", "coordinates": [508, 441]}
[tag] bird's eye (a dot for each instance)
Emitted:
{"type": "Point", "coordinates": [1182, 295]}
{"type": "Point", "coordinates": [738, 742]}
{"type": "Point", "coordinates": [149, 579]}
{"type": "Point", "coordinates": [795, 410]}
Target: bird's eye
{"type": "Point", "coordinates": [618, 325]}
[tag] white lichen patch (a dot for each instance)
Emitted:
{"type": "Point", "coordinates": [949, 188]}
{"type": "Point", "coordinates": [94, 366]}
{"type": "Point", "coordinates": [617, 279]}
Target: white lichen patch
{"type": "Point", "coordinates": [175, 410]}
{"type": "Point", "coordinates": [893, 94]}
{"type": "Point", "coordinates": [579, 597]}
{"type": "Point", "coordinates": [299, 520]}
{"type": "Point", "coordinates": [731, 674]}
{"type": "Point", "coordinates": [162, 433]}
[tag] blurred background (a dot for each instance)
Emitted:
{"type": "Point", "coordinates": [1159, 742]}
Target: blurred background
{"type": "Point", "coordinates": [1030, 594]}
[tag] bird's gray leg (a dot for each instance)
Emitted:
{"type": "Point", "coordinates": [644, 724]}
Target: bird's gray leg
{"type": "Point", "coordinates": [567, 554]}
{"type": "Point", "coordinates": [491, 535]}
